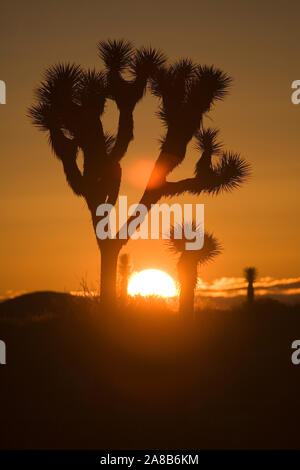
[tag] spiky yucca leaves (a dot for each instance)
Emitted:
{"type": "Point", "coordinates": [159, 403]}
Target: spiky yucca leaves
{"type": "Point", "coordinates": [177, 243]}
{"type": "Point", "coordinates": [230, 173]}
{"type": "Point", "coordinates": [56, 96]}
{"type": "Point", "coordinates": [91, 91]}
{"type": "Point", "coordinates": [172, 85]}
{"type": "Point", "coordinates": [42, 116]}
{"type": "Point", "coordinates": [190, 90]}
{"type": "Point", "coordinates": [116, 54]}
{"type": "Point", "coordinates": [60, 84]}
{"type": "Point", "coordinates": [145, 62]}
{"type": "Point", "coordinates": [207, 141]}
{"type": "Point", "coordinates": [168, 80]}
{"type": "Point", "coordinates": [250, 274]}
{"type": "Point", "coordinates": [188, 262]}
{"type": "Point", "coordinates": [120, 57]}
{"type": "Point", "coordinates": [67, 85]}
{"type": "Point", "coordinates": [211, 85]}
{"type": "Point", "coordinates": [225, 175]}
{"type": "Point", "coordinates": [67, 97]}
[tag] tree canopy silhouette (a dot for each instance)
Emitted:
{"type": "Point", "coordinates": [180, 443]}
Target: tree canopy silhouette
{"type": "Point", "coordinates": [70, 102]}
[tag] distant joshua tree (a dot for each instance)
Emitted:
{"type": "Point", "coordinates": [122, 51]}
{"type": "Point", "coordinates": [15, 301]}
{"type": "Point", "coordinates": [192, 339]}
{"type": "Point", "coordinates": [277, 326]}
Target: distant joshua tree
{"type": "Point", "coordinates": [187, 265]}
{"type": "Point", "coordinates": [70, 102]}
{"type": "Point", "coordinates": [124, 271]}
{"type": "Point", "coordinates": [250, 276]}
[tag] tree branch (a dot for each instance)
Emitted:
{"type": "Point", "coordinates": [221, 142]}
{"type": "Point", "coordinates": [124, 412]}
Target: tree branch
{"type": "Point", "coordinates": [191, 185]}
{"type": "Point", "coordinates": [66, 150]}
{"type": "Point", "coordinates": [124, 136]}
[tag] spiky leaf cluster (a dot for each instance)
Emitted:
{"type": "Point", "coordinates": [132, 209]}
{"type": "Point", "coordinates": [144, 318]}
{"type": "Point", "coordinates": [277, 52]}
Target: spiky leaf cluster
{"type": "Point", "coordinates": [177, 244]}
{"type": "Point", "coordinates": [186, 92]}
{"type": "Point", "coordinates": [250, 274]}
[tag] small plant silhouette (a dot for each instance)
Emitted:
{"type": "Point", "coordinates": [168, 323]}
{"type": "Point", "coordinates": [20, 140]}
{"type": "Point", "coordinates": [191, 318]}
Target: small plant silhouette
{"type": "Point", "coordinates": [250, 274]}
{"type": "Point", "coordinates": [124, 271]}
{"type": "Point", "coordinates": [188, 262]}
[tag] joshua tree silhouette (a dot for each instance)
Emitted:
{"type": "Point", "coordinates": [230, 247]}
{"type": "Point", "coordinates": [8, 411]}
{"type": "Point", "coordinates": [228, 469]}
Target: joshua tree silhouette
{"type": "Point", "coordinates": [188, 263]}
{"type": "Point", "coordinates": [124, 271]}
{"type": "Point", "coordinates": [70, 102]}
{"type": "Point", "coordinates": [250, 276]}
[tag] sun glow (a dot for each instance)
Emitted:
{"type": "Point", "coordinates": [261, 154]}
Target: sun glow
{"type": "Point", "coordinates": [152, 282]}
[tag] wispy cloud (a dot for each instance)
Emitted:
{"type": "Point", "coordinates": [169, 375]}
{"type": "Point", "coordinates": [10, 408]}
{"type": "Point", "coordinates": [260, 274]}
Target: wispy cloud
{"type": "Point", "coordinates": [231, 287]}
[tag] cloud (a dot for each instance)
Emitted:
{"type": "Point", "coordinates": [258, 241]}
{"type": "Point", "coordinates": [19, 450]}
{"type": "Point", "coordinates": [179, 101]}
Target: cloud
{"type": "Point", "coordinates": [231, 287]}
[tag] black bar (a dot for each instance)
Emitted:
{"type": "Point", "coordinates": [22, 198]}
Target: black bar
{"type": "Point", "coordinates": [145, 458]}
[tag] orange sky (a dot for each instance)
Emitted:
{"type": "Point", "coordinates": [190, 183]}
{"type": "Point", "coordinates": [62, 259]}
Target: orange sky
{"type": "Point", "coordinates": [46, 239]}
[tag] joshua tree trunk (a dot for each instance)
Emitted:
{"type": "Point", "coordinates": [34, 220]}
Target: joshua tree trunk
{"type": "Point", "coordinates": [250, 274]}
{"type": "Point", "coordinates": [186, 300]}
{"type": "Point", "coordinates": [250, 293]}
{"type": "Point", "coordinates": [108, 278]}
{"type": "Point", "coordinates": [187, 271]}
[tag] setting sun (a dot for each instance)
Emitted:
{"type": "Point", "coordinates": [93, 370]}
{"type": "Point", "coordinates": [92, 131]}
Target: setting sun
{"type": "Point", "coordinates": [152, 282]}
